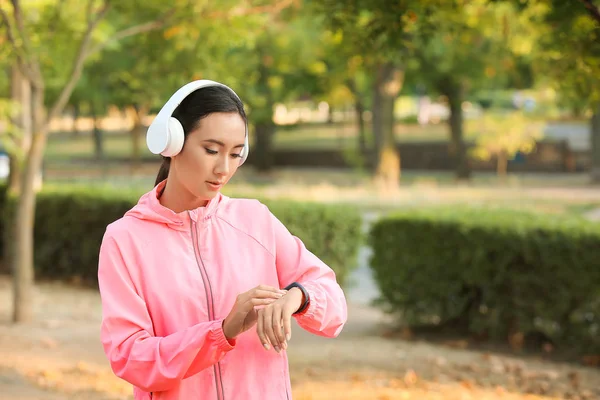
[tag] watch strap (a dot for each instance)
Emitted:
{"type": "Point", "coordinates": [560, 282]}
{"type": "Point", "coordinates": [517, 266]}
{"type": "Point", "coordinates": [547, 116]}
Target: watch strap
{"type": "Point", "coordinates": [306, 302]}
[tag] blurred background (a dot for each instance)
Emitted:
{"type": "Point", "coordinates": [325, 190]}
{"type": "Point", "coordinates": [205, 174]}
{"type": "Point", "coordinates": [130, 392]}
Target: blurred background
{"type": "Point", "coordinates": [442, 156]}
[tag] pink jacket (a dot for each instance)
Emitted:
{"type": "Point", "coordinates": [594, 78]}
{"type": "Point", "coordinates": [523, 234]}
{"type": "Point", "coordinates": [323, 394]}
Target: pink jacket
{"type": "Point", "coordinates": [168, 280]}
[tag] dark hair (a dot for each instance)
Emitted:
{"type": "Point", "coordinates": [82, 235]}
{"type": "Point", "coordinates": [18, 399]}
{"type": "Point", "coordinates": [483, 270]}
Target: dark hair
{"type": "Point", "coordinates": [198, 105]}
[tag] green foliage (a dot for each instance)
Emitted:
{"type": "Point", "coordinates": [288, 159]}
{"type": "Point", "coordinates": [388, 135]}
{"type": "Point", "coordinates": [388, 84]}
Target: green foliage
{"type": "Point", "coordinates": [67, 243]}
{"type": "Point", "coordinates": [566, 54]}
{"type": "Point", "coordinates": [474, 45]}
{"type": "Point", "coordinates": [491, 271]}
{"type": "Point", "coordinates": [505, 134]}
{"type": "Point", "coordinates": [381, 30]}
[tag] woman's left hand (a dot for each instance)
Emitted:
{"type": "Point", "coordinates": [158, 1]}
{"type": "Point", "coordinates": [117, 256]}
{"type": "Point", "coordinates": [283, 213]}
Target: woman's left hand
{"type": "Point", "coordinates": [274, 324]}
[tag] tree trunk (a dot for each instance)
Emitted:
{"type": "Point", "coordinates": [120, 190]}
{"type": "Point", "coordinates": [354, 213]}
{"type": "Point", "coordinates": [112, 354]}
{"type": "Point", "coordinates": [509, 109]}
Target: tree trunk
{"type": "Point", "coordinates": [23, 267]}
{"type": "Point", "coordinates": [263, 115]}
{"type": "Point", "coordinates": [22, 262]}
{"type": "Point", "coordinates": [387, 86]}
{"type": "Point", "coordinates": [97, 134]}
{"type": "Point", "coordinates": [595, 136]}
{"type": "Point", "coordinates": [20, 94]}
{"type": "Point", "coordinates": [502, 165]}
{"type": "Point", "coordinates": [76, 111]}
{"type": "Point", "coordinates": [263, 150]}
{"type": "Point", "coordinates": [362, 135]}
{"type": "Point", "coordinates": [453, 92]}
{"type": "Point", "coordinates": [359, 110]}
{"type": "Point", "coordinates": [137, 132]}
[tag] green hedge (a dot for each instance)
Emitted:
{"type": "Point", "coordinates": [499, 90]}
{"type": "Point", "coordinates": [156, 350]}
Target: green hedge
{"type": "Point", "coordinates": [70, 223]}
{"type": "Point", "coordinates": [491, 272]}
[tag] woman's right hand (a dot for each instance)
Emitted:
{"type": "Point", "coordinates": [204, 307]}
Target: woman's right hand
{"type": "Point", "coordinates": [244, 314]}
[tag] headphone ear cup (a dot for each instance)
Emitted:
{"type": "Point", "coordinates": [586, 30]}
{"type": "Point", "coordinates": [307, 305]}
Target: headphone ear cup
{"type": "Point", "coordinates": [245, 150]}
{"type": "Point", "coordinates": [175, 138]}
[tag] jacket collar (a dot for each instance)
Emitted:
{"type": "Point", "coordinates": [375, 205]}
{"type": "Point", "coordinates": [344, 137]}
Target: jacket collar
{"type": "Point", "coordinates": [150, 208]}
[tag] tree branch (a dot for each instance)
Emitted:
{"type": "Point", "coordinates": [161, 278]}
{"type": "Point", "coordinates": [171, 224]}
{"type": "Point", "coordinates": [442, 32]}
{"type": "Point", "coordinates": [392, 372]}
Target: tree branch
{"type": "Point", "coordinates": [593, 10]}
{"type": "Point", "coordinates": [134, 30]}
{"type": "Point", "coordinates": [32, 65]}
{"type": "Point", "coordinates": [88, 12]}
{"type": "Point", "coordinates": [21, 56]}
{"type": "Point", "coordinates": [78, 63]}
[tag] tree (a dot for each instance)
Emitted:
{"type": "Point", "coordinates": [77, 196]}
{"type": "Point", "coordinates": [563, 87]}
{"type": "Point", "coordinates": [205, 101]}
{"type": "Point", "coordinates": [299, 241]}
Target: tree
{"type": "Point", "coordinates": [503, 135]}
{"type": "Point", "coordinates": [569, 58]}
{"type": "Point", "coordinates": [594, 49]}
{"type": "Point", "coordinates": [28, 43]}
{"type": "Point", "coordinates": [345, 81]}
{"type": "Point", "coordinates": [470, 49]}
{"type": "Point", "coordinates": [277, 60]}
{"type": "Point", "coordinates": [42, 33]}
{"type": "Point", "coordinates": [379, 31]}
{"type": "Point", "coordinates": [593, 10]}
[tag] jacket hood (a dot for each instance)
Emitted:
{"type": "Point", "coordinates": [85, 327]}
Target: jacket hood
{"type": "Point", "coordinates": [149, 208]}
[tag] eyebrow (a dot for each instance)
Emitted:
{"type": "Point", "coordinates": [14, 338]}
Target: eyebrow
{"type": "Point", "coordinates": [221, 143]}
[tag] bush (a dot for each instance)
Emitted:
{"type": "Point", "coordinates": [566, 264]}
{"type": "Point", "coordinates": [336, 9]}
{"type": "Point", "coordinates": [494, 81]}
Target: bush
{"type": "Point", "coordinates": [491, 272]}
{"type": "Point", "coordinates": [70, 223]}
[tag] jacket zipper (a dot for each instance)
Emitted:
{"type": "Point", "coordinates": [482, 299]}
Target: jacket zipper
{"type": "Point", "coordinates": [209, 302]}
{"type": "Point", "coordinates": [287, 393]}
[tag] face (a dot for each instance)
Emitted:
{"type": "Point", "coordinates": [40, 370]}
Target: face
{"type": "Point", "coordinates": [210, 156]}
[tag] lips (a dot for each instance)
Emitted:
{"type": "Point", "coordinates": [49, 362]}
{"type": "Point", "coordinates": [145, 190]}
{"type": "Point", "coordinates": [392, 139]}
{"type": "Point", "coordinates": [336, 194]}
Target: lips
{"type": "Point", "coordinates": [214, 185]}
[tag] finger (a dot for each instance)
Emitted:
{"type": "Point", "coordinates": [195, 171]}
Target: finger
{"type": "Point", "coordinates": [256, 303]}
{"type": "Point", "coordinates": [262, 289]}
{"type": "Point", "coordinates": [277, 331]}
{"type": "Point", "coordinates": [260, 331]}
{"type": "Point", "coordinates": [261, 302]}
{"type": "Point", "coordinates": [287, 324]}
{"type": "Point", "coordinates": [264, 294]}
{"type": "Point", "coordinates": [268, 327]}
{"type": "Point", "coordinates": [270, 289]}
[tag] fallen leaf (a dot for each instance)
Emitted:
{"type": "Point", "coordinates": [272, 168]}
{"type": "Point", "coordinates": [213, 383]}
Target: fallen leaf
{"type": "Point", "coordinates": [574, 379]}
{"type": "Point", "coordinates": [591, 360]}
{"type": "Point", "coordinates": [467, 384]}
{"type": "Point", "coordinates": [406, 333]}
{"type": "Point", "coordinates": [410, 378]}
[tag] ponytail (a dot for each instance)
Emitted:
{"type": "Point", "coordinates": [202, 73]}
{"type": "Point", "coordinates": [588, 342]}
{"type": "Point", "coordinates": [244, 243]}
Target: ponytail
{"type": "Point", "coordinates": [163, 172]}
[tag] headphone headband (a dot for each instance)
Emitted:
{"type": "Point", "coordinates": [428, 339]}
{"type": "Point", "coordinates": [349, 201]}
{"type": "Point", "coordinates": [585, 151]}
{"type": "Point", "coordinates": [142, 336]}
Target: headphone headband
{"type": "Point", "coordinates": [165, 134]}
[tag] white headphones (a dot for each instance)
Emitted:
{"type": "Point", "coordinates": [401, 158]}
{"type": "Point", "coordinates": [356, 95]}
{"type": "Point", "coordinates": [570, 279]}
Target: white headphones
{"type": "Point", "coordinates": [165, 135]}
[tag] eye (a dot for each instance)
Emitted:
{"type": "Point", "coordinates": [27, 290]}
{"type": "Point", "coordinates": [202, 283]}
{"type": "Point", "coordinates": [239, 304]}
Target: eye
{"type": "Point", "coordinates": [236, 155]}
{"type": "Point", "coordinates": [209, 151]}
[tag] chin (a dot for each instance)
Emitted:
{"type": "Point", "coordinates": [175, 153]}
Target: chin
{"type": "Point", "coordinates": [208, 194]}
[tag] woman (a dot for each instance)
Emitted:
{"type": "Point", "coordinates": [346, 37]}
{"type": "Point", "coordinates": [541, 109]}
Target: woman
{"type": "Point", "coordinates": [198, 290]}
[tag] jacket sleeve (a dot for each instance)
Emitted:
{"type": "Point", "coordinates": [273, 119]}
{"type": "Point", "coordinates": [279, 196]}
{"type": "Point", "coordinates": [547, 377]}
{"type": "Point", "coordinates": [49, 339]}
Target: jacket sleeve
{"type": "Point", "coordinates": [327, 311]}
{"type": "Point", "coordinates": [149, 362]}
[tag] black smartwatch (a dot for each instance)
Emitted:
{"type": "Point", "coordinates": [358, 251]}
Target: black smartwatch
{"type": "Point", "coordinates": [306, 296]}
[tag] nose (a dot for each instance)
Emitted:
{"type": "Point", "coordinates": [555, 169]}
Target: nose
{"type": "Point", "coordinates": [222, 166]}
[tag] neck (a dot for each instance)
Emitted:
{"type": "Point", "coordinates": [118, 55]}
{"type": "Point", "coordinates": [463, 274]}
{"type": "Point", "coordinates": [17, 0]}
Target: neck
{"type": "Point", "coordinates": [178, 199]}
